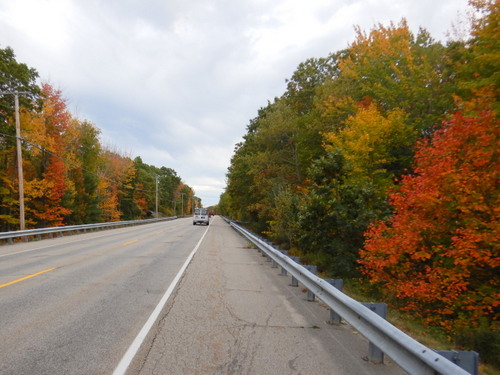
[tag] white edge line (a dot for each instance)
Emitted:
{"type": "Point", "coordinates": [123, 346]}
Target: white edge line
{"type": "Point", "coordinates": [136, 344]}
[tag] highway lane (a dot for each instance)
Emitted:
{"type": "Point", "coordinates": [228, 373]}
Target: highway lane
{"type": "Point", "coordinates": [73, 305]}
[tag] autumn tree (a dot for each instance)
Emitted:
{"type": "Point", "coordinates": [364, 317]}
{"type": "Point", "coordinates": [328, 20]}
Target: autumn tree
{"type": "Point", "coordinates": [69, 177]}
{"type": "Point", "coordinates": [143, 188]}
{"type": "Point", "coordinates": [241, 175]}
{"type": "Point", "coordinates": [14, 77]}
{"type": "Point", "coordinates": [45, 171]}
{"type": "Point", "coordinates": [348, 186]}
{"type": "Point", "coordinates": [479, 60]}
{"type": "Point", "coordinates": [396, 69]}
{"type": "Point", "coordinates": [388, 71]}
{"type": "Point", "coordinates": [86, 151]}
{"type": "Point", "coordinates": [185, 199]}
{"type": "Point", "coordinates": [269, 167]}
{"type": "Point", "coordinates": [167, 185]}
{"type": "Point", "coordinates": [316, 165]}
{"type": "Point", "coordinates": [116, 175]}
{"type": "Point", "coordinates": [438, 255]}
{"type": "Point", "coordinates": [373, 146]}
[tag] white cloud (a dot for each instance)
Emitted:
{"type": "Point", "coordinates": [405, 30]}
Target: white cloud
{"type": "Point", "coordinates": [44, 22]}
{"type": "Point", "coordinates": [176, 82]}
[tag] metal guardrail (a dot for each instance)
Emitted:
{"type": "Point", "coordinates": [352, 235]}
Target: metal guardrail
{"type": "Point", "coordinates": [408, 353]}
{"type": "Point", "coordinates": [9, 236]}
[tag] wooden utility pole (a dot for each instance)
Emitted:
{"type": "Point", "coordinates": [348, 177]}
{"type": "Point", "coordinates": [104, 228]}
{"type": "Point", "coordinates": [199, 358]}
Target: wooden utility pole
{"type": "Point", "coordinates": [19, 163]}
{"type": "Point", "coordinates": [20, 176]}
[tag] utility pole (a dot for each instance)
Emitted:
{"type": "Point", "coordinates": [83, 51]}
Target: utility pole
{"type": "Point", "coordinates": [20, 176]}
{"type": "Point", "coordinates": [157, 176]}
{"type": "Point", "coordinates": [156, 196]}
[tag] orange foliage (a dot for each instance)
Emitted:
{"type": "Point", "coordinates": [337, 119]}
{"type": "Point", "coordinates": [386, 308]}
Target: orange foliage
{"type": "Point", "coordinates": [438, 255]}
{"type": "Point", "coordinates": [118, 170]}
{"type": "Point", "coordinates": [46, 174]}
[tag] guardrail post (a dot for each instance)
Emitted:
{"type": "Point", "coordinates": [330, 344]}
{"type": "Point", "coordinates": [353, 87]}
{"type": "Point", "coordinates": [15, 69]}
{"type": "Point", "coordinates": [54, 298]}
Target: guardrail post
{"type": "Point", "coordinates": [283, 269]}
{"type": "Point", "coordinates": [412, 356]}
{"type": "Point", "coordinates": [295, 282]}
{"type": "Point", "coordinates": [376, 355]}
{"type": "Point", "coordinates": [469, 361]}
{"type": "Point", "coordinates": [339, 284]}
{"type": "Point", "coordinates": [275, 264]}
{"type": "Point", "coordinates": [314, 270]}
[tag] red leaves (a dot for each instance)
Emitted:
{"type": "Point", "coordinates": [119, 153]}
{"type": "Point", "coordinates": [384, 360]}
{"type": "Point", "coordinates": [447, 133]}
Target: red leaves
{"type": "Point", "coordinates": [439, 251]}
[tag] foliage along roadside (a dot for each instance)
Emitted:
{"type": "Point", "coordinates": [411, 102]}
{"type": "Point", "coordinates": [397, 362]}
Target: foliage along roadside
{"type": "Point", "coordinates": [70, 177]}
{"type": "Point", "coordinates": [394, 138]}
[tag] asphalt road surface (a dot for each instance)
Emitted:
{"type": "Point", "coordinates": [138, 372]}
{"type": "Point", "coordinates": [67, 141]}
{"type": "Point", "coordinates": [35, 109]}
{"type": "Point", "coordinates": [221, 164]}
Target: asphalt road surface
{"type": "Point", "coordinates": [87, 297]}
{"type": "Point", "coordinates": [76, 305]}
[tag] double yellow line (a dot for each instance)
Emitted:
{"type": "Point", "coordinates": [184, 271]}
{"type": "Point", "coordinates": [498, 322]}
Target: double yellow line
{"type": "Point", "coordinates": [27, 277]}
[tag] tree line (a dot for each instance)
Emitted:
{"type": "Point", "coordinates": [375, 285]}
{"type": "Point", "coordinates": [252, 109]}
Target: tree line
{"type": "Point", "coordinates": [380, 163]}
{"type": "Point", "coordinates": [70, 177]}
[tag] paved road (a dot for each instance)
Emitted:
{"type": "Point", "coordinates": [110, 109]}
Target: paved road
{"type": "Point", "coordinates": [88, 296]}
{"type": "Point", "coordinates": [75, 305]}
{"type": "Point", "coordinates": [234, 314]}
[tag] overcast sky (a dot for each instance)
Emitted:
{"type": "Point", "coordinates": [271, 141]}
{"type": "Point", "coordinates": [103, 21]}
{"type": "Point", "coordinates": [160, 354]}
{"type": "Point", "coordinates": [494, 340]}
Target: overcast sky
{"type": "Point", "coordinates": [177, 81]}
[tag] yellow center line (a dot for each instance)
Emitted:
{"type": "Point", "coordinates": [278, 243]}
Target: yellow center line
{"type": "Point", "coordinates": [130, 242]}
{"type": "Point", "coordinates": [27, 277]}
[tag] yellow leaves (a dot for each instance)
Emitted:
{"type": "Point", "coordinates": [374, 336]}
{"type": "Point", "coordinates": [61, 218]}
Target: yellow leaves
{"type": "Point", "coordinates": [368, 140]}
{"type": "Point", "coordinates": [42, 202]}
{"type": "Point", "coordinates": [384, 47]}
{"type": "Point", "coordinates": [37, 188]}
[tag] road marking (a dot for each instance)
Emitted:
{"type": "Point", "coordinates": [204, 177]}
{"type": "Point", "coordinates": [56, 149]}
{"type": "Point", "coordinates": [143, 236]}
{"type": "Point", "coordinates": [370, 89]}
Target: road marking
{"type": "Point", "coordinates": [136, 344]}
{"type": "Point", "coordinates": [70, 240]}
{"type": "Point", "coordinates": [27, 277]}
{"type": "Point", "coordinates": [129, 242]}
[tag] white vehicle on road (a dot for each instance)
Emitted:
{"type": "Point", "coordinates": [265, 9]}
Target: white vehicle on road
{"type": "Point", "coordinates": [201, 216]}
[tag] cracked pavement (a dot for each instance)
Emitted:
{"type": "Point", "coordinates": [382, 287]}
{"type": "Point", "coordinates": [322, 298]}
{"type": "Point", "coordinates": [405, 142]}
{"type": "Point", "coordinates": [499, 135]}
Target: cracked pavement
{"type": "Point", "coordinates": [232, 313]}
